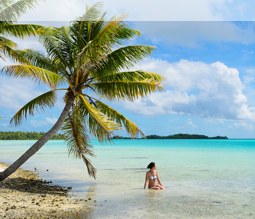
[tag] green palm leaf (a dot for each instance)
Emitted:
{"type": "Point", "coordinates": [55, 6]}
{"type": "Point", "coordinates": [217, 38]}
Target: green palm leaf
{"type": "Point", "coordinates": [11, 10]}
{"type": "Point", "coordinates": [21, 30]}
{"type": "Point", "coordinates": [6, 42]}
{"type": "Point", "coordinates": [100, 125]}
{"type": "Point", "coordinates": [131, 76]}
{"type": "Point", "coordinates": [130, 126]}
{"type": "Point", "coordinates": [65, 46]}
{"type": "Point", "coordinates": [39, 103]}
{"type": "Point", "coordinates": [130, 90]}
{"type": "Point", "coordinates": [6, 47]}
{"type": "Point", "coordinates": [111, 33]}
{"type": "Point", "coordinates": [52, 43]}
{"type": "Point", "coordinates": [37, 73]}
{"type": "Point", "coordinates": [124, 57]}
{"type": "Point", "coordinates": [74, 130]}
{"type": "Point", "coordinates": [35, 58]}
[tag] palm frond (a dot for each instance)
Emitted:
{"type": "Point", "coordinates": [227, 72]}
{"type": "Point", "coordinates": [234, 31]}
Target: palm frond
{"type": "Point", "coordinates": [74, 130]}
{"type": "Point", "coordinates": [65, 46]}
{"type": "Point", "coordinates": [91, 169]}
{"type": "Point", "coordinates": [130, 126]}
{"type": "Point", "coordinates": [124, 57]}
{"type": "Point", "coordinates": [52, 42]}
{"type": "Point", "coordinates": [130, 90]}
{"type": "Point", "coordinates": [131, 76]}
{"type": "Point", "coordinates": [92, 13]}
{"type": "Point", "coordinates": [7, 48]}
{"type": "Point", "coordinates": [100, 125]}
{"type": "Point", "coordinates": [111, 33]}
{"type": "Point", "coordinates": [11, 10]}
{"type": "Point", "coordinates": [39, 103]}
{"type": "Point", "coordinates": [8, 51]}
{"type": "Point", "coordinates": [86, 27]}
{"type": "Point", "coordinates": [28, 56]}
{"type": "Point", "coordinates": [7, 42]}
{"type": "Point", "coordinates": [21, 30]}
{"type": "Point", "coordinates": [36, 73]}
{"type": "Point", "coordinates": [5, 3]}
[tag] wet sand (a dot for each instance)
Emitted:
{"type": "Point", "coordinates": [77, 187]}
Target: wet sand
{"type": "Point", "coordinates": [25, 195]}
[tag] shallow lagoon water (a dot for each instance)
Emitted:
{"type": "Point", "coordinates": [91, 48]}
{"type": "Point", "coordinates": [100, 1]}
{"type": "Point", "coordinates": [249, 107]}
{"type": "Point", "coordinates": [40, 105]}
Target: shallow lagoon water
{"type": "Point", "coordinates": [203, 178]}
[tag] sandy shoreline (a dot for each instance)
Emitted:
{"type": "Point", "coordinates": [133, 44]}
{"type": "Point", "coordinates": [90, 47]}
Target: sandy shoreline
{"type": "Point", "coordinates": [25, 195]}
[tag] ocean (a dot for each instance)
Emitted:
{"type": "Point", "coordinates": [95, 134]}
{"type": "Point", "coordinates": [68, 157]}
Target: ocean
{"type": "Point", "coordinates": [203, 178]}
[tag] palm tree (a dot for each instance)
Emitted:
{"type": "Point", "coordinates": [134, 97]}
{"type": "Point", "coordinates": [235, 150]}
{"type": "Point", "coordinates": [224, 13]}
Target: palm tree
{"type": "Point", "coordinates": [89, 60]}
{"type": "Point", "coordinates": [10, 10]}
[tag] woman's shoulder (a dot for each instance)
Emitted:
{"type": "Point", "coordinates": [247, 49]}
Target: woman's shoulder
{"type": "Point", "coordinates": [148, 172]}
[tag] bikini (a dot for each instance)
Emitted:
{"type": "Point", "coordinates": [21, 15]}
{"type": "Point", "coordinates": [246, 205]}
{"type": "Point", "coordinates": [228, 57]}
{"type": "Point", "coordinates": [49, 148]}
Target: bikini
{"type": "Point", "coordinates": [152, 177]}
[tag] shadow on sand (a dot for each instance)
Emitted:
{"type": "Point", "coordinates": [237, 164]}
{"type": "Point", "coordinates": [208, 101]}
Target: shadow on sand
{"type": "Point", "coordinates": [33, 186]}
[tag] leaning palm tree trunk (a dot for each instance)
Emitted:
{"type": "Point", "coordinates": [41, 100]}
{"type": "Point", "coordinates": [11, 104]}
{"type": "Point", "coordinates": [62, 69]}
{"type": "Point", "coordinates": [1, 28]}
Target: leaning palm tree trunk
{"type": "Point", "coordinates": [34, 148]}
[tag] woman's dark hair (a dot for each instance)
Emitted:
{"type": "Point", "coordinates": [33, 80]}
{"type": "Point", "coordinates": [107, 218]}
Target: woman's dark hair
{"type": "Point", "coordinates": [151, 165]}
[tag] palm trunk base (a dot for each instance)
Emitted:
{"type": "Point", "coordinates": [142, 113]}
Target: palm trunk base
{"type": "Point", "coordinates": [2, 177]}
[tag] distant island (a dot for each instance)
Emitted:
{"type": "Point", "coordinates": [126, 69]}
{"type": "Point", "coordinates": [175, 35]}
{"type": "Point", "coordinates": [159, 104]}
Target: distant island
{"type": "Point", "coordinates": [26, 136]}
{"type": "Point", "coordinates": [36, 135]}
{"type": "Point", "coordinates": [176, 136]}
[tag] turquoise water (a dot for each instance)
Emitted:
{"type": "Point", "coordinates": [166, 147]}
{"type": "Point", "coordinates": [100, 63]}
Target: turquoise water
{"type": "Point", "coordinates": [203, 178]}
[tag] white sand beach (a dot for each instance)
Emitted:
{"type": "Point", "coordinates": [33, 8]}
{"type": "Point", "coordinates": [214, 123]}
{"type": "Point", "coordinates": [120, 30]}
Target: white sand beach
{"type": "Point", "coordinates": [25, 195]}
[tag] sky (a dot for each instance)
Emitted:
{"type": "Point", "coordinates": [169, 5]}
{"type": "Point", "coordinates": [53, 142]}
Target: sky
{"type": "Point", "coordinates": [205, 50]}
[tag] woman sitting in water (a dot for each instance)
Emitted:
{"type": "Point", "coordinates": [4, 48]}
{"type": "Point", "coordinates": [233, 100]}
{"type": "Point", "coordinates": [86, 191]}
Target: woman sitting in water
{"type": "Point", "coordinates": [152, 177]}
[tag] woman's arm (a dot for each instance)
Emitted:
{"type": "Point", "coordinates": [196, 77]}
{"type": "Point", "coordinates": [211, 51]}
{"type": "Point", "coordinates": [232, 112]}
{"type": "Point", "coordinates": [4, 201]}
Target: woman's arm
{"type": "Point", "coordinates": [159, 180]}
{"type": "Point", "coordinates": [146, 179]}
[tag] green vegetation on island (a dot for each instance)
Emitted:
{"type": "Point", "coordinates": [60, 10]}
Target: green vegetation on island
{"type": "Point", "coordinates": [36, 135]}
{"type": "Point", "coordinates": [26, 136]}
{"type": "Point", "coordinates": [176, 136]}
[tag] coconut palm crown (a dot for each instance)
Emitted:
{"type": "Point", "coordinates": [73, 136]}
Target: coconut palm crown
{"type": "Point", "coordinates": [88, 61]}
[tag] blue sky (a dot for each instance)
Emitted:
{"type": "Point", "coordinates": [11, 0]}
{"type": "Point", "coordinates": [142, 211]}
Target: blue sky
{"type": "Point", "coordinates": [207, 60]}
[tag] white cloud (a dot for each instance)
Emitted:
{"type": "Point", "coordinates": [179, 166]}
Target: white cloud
{"type": "Point", "coordinates": [192, 33]}
{"type": "Point", "coordinates": [234, 10]}
{"type": "Point", "coordinates": [29, 43]}
{"type": "Point", "coordinates": [196, 88]}
{"type": "Point", "coordinates": [40, 123]}
{"type": "Point", "coordinates": [55, 10]}
{"type": "Point", "coordinates": [248, 125]}
{"type": "Point", "coordinates": [15, 92]}
{"type": "Point", "coordinates": [191, 124]}
{"type": "Point", "coordinates": [147, 10]}
{"type": "Point", "coordinates": [51, 120]}
{"type": "Point", "coordinates": [249, 76]}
